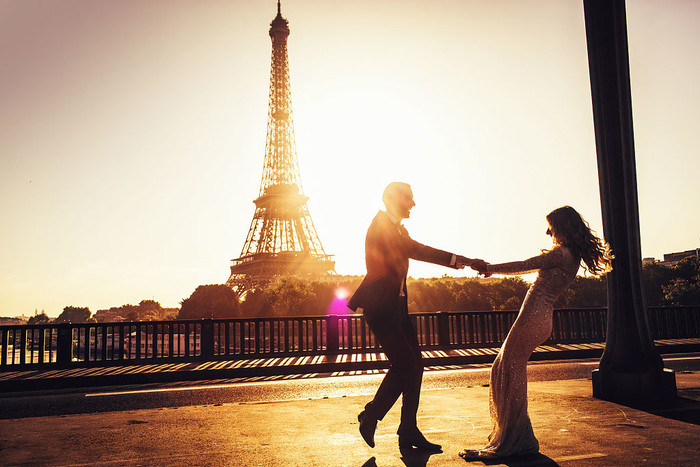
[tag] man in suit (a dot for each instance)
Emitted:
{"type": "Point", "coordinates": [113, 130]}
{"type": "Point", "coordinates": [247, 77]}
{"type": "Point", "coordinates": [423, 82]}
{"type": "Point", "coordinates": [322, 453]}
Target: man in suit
{"type": "Point", "coordinates": [382, 299]}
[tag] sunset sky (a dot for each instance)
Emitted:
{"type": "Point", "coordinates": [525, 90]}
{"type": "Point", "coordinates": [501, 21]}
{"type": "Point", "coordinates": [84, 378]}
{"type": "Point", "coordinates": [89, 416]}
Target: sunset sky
{"type": "Point", "coordinates": [132, 133]}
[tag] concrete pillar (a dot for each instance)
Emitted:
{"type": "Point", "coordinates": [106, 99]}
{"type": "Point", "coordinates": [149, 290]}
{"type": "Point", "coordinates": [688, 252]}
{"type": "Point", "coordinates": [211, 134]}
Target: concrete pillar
{"type": "Point", "coordinates": [631, 370]}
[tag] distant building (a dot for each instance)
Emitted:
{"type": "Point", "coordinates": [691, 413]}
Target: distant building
{"type": "Point", "coordinates": [16, 321]}
{"type": "Point", "coordinates": [672, 258]}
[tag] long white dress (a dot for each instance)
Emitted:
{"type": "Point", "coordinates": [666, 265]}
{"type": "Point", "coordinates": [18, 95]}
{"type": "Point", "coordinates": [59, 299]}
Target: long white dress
{"type": "Point", "coordinates": [512, 431]}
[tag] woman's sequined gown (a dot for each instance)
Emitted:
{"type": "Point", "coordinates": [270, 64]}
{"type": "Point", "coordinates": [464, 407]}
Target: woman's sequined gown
{"type": "Point", "coordinates": [512, 431]}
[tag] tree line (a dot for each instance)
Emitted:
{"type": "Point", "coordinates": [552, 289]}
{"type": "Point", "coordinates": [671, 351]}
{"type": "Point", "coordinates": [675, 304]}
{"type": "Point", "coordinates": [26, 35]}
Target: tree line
{"type": "Point", "coordinates": [674, 285]}
{"type": "Point", "coordinates": [146, 310]}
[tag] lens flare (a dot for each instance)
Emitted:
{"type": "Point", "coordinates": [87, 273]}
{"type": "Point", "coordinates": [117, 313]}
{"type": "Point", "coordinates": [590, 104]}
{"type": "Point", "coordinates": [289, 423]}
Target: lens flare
{"type": "Point", "coordinates": [342, 293]}
{"type": "Point", "coordinates": [339, 305]}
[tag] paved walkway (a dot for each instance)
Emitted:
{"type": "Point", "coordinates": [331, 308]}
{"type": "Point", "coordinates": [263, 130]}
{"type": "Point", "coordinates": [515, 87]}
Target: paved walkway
{"type": "Point", "coordinates": [574, 429]}
{"type": "Point", "coordinates": [11, 381]}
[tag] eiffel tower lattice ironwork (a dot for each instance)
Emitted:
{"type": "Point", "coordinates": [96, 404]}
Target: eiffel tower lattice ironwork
{"type": "Point", "coordinates": [282, 239]}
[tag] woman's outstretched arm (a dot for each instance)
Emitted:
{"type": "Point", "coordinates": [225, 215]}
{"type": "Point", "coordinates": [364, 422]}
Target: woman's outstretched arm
{"type": "Point", "coordinates": [549, 259]}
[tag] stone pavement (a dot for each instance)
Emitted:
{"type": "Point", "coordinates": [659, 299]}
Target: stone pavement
{"type": "Point", "coordinates": [573, 428]}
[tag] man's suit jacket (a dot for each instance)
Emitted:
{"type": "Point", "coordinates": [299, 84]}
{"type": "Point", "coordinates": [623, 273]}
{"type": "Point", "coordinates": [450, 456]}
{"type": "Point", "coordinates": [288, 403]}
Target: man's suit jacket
{"type": "Point", "coordinates": [388, 248]}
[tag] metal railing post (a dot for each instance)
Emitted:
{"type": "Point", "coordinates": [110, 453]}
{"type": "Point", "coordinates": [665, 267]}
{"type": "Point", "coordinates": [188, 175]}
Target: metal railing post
{"type": "Point", "coordinates": [64, 344]}
{"type": "Point", "coordinates": [332, 335]}
{"type": "Point", "coordinates": [207, 338]}
{"type": "Point", "coordinates": [443, 328]}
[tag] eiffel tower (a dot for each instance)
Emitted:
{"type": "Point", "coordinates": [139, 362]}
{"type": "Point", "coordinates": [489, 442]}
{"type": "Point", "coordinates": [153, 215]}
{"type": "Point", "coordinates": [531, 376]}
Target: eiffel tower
{"type": "Point", "coordinates": [282, 239]}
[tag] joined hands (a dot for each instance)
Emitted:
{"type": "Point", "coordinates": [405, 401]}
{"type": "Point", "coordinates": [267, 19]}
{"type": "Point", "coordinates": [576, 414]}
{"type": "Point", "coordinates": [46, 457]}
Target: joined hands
{"type": "Point", "coordinates": [479, 265]}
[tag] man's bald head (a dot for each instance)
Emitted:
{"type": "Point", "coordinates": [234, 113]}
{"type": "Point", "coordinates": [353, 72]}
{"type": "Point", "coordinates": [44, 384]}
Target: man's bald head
{"type": "Point", "coordinates": [398, 199]}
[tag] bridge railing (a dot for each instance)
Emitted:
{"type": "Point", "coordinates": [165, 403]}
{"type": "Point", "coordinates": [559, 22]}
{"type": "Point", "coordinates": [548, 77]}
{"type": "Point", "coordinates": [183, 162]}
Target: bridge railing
{"type": "Point", "coordinates": [674, 322]}
{"type": "Point", "coordinates": [105, 344]}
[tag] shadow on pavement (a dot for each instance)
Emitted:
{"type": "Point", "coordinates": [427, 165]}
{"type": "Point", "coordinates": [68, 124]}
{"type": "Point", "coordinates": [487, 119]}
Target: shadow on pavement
{"type": "Point", "coordinates": [682, 409]}
{"type": "Point", "coordinates": [415, 457]}
{"type": "Point", "coordinates": [410, 457]}
{"type": "Point", "coordinates": [537, 460]}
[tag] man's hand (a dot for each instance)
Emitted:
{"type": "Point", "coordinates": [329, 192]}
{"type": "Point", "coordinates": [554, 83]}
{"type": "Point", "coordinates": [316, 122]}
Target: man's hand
{"type": "Point", "coordinates": [463, 261]}
{"type": "Point", "coordinates": [480, 266]}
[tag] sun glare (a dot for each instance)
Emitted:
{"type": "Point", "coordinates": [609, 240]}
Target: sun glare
{"type": "Point", "coordinates": [339, 305]}
{"type": "Point", "coordinates": [342, 293]}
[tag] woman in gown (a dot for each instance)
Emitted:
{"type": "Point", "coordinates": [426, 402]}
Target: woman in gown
{"type": "Point", "coordinates": [574, 242]}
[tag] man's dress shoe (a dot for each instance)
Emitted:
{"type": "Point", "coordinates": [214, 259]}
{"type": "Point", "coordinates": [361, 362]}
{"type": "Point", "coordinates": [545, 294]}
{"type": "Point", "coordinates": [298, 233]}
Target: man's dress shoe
{"type": "Point", "coordinates": [368, 425]}
{"type": "Point", "coordinates": [415, 439]}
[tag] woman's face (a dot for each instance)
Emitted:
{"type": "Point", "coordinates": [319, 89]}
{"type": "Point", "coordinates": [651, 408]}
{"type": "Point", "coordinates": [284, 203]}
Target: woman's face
{"type": "Point", "coordinates": [551, 233]}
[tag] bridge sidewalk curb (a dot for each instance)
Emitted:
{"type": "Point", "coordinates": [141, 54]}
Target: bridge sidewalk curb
{"type": "Point", "coordinates": [157, 372]}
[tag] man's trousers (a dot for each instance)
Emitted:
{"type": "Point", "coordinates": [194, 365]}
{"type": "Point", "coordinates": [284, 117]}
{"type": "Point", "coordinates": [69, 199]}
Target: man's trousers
{"type": "Point", "coordinates": [397, 337]}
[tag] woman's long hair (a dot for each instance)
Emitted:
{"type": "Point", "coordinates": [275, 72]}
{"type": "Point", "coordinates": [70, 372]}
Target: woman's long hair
{"type": "Point", "coordinates": [570, 230]}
